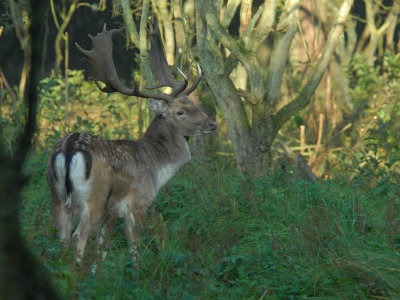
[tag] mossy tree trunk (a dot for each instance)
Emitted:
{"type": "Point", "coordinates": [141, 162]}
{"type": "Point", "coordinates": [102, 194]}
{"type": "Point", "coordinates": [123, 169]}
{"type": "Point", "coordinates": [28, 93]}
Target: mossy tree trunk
{"type": "Point", "coordinates": [252, 133]}
{"type": "Point", "coordinates": [21, 276]}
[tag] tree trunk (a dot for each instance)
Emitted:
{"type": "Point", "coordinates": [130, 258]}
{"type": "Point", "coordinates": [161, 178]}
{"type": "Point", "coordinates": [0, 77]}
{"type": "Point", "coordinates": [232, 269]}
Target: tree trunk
{"type": "Point", "coordinates": [233, 111]}
{"type": "Point", "coordinates": [263, 134]}
{"type": "Point", "coordinates": [223, 92]}
{"type": "Point", "coordinates": [252, 142]}
{"type": "Point", "coordinates": [21, 276]}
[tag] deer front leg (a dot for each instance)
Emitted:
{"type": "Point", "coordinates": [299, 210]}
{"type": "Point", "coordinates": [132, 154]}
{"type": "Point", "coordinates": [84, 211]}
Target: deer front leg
{"type": "Point", "coordinates": [131, 234]}
{"type": "Point", "coordinates": [105, 232]}
{"type": "Point", "coordinates": [103, 241]}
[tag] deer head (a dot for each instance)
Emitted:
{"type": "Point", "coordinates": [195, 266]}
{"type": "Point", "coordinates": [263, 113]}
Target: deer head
{"type": "Point", "coordinates": [182, 115]}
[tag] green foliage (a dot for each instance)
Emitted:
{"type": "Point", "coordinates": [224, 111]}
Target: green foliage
{"type": "Point", "coordinates": [360, 134]}
{"type": "Point", "coordinates": [216, 235]}
{"type": "Point", "coordinates": [89, 110]}
{"type": "Point", "coordinates": [10, 126]}
{"type": "Point", "coordinates": [6, 18]}
{"type": "Point", "coordinates": [372, 146]}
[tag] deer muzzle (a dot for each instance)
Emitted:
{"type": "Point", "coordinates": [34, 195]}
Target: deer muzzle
{"type": "Point", "coordinates": [209, 126]}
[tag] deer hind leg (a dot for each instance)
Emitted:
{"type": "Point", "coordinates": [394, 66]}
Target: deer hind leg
{"type": "Point", "coordinates": [89, 220]}
{"type": "Point", "coordinates": [62, 214]}
{"type": "Point", "coordinates": [62, 219]}
{"type": "Point", "coordinates": [88, 200]}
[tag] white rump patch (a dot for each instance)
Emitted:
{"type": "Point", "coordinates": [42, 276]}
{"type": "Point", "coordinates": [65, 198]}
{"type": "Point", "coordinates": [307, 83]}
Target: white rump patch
{"type": "Point", "coordinates": [81, 187]}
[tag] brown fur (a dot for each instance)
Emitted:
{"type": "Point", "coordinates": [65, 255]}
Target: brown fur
{"type": "Point", "coordinates": [119, 178]}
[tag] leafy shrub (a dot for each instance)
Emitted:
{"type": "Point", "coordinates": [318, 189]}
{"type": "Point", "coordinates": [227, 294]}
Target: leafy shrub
{"type": "Point", "coordinates": [88, 109]}
{"type": "Point", "coordinates": [10, 125]}
{"type": "Point", "coordinates": [377, 151]}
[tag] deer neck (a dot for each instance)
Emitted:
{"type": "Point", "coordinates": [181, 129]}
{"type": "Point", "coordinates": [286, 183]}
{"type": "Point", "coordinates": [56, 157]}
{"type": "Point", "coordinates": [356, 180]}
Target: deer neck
{"type": "Point", "coordinates": [170, 150]}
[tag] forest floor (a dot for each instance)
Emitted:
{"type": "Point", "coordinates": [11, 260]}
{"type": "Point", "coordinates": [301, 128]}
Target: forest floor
{"type": "Point", "coordinates": [214, 234]}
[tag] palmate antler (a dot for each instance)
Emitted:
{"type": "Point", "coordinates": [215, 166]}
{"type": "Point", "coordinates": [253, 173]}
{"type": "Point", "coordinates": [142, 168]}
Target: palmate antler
{"type": "Point", "coordinates": [102, 68]}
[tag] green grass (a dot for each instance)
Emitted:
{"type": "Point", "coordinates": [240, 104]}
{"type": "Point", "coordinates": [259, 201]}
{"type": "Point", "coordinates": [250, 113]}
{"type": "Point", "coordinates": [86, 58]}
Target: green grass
{"type": "Point", "coordinates": [216, 235]}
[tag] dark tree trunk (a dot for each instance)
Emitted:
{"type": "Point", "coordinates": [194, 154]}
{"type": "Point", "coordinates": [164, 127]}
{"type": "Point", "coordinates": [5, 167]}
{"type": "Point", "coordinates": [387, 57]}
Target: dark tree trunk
{"type": "Point", "coordinates": [263, 134]}
{"type": "Point", "coordinates": [223, 91]}
{"type": "Point", "coordinates": [21, 276]}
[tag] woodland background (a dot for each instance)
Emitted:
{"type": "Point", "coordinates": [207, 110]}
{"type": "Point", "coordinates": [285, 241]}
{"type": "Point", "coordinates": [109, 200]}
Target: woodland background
{"type": "Point", "coordinates": [295, 196]}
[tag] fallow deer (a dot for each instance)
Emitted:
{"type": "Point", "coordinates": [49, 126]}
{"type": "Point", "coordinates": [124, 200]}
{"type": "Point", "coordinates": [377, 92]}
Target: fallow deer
{"type": "Point", "coordinates": [97, 179]}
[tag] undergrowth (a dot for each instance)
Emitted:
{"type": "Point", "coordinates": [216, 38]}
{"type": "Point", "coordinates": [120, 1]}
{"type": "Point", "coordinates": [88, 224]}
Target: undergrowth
{"type": "Point", "coordinates": [213, 234]}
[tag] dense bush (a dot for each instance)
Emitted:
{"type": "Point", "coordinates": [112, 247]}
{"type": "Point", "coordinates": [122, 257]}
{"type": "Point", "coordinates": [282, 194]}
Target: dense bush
{"type": "Point", "coordinates": [364, 143]}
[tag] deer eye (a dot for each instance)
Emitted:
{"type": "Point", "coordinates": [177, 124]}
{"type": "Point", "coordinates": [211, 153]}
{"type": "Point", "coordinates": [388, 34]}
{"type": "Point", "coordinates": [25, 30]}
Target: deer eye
{"type": "Point", "coordinates": [179, 113]}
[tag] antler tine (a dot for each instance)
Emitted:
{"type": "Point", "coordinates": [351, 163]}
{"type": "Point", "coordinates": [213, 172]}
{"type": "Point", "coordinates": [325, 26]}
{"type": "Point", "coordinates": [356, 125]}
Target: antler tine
{"type": "Point", "coordinates": [102, 66]}
{"type": "Point", "coordinates": [195, 83]}
{"type": "Point", "coordinates": [159, 65]}
{"type": "Point", "coordinates": [186, 78]}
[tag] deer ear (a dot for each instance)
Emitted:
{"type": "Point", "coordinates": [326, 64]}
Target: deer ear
{"type": "Point", "coordinates": [157, 106]}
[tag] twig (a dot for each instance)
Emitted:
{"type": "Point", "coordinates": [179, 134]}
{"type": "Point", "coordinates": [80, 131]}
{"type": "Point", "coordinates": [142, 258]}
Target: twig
{"type": "Point", "coordinates": [317, 71]}
{"type": "Point", "coordinates": [302, 138]}
{"type": "Point", "coordinates": [320, 130]}
{"type": "Point", "coordinates": [8, 88]}
{"type": "Point", "coordinates": [66, 80]}
{"type": "Point", "coordinates": [263, 295]}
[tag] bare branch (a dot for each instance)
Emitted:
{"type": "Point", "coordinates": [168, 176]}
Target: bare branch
{"type": "Point", "coordinates": [318, 69]}
{"type": "Point", "coordinates": [390, 19]}
{"type": "Point", "coordinates": [247, 36]}
{"type": "Point", "coordinates": [100, 7]}
{"type": "Point", "coordinates": [224, 37]}
{"type": "Point", "coordinates": [21, 29]}
{"type": "Point", "coordinates": [375, 32]}
{"type": "Point", "coordinates": [60, 37]}
{"type": "Point", "coordinates": [8, 87]}
{"type": "Point", "coordinates": [249, 61]}
{"type": "Point", "coordinates": [245, 16]}
{"type": "Point", "coordinates": [142, 30]}
{"type": "Point", "coordinates": [267, 19]}
{"type": "Point", "coordinates": [287, 28]}
{"type": "Point", "coordinates": [129, 23]}
{"type": "Point", "coordinates": [228, 12]}
{"type": "Point", "coordinates": [165, 20]}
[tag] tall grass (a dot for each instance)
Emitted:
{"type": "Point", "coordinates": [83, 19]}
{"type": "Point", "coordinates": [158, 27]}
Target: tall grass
{"type": "Point", "coordinates": [213, 234]}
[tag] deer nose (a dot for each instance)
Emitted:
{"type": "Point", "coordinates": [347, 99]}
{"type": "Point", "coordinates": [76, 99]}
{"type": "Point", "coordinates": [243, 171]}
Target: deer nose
{"type": "Point", "coordinates": [209, 126]}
